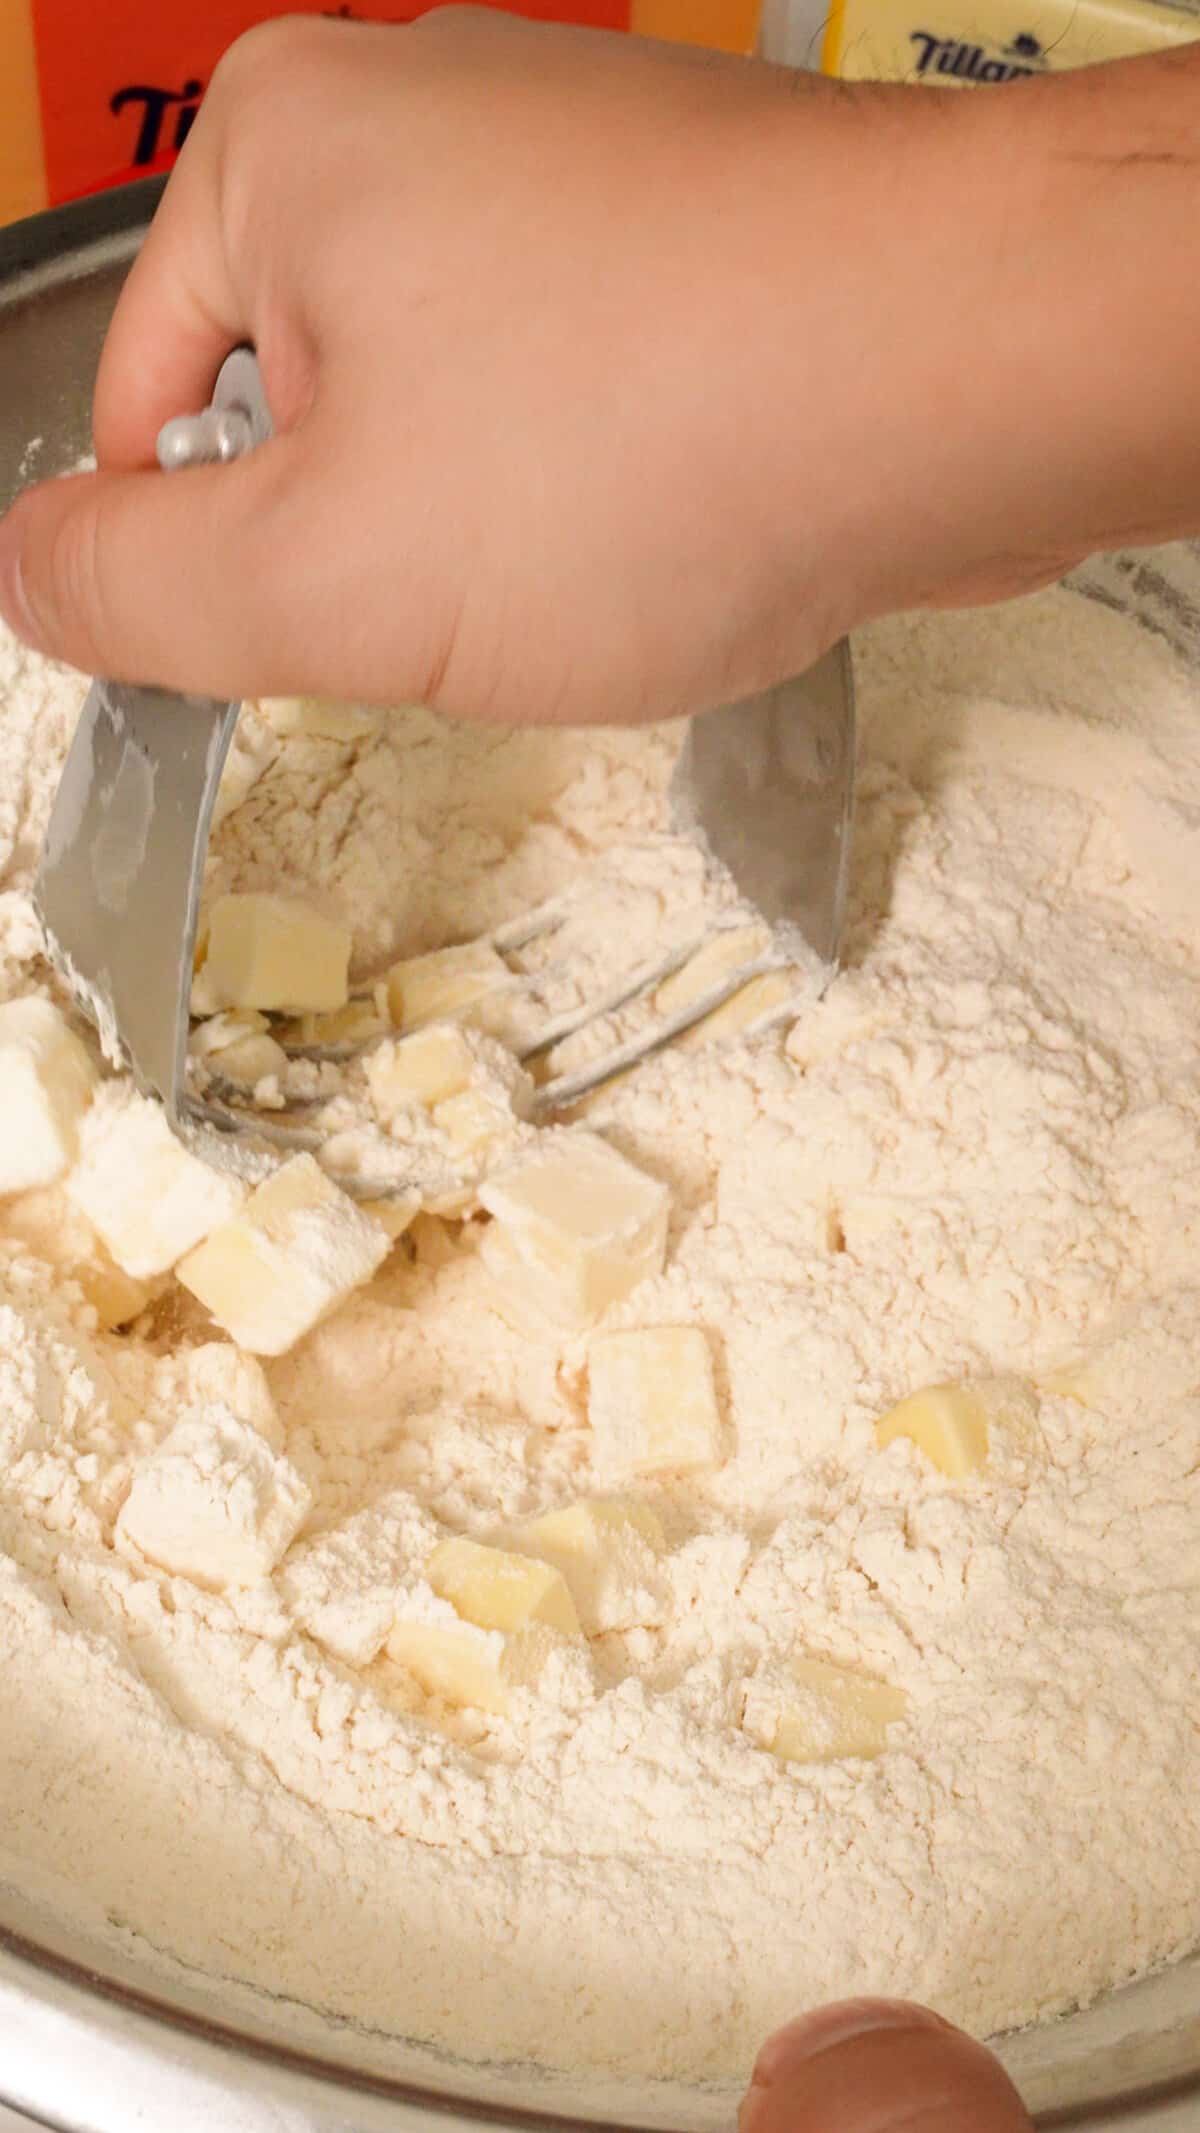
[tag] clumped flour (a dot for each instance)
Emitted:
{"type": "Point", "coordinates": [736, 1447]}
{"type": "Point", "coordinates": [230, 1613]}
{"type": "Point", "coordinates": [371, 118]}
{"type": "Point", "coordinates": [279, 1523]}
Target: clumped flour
{"type": "Point", "coordinates": [980, 1154]}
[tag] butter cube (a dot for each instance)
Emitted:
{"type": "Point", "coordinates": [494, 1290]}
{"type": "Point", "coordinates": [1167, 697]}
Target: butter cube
{"type": "Point", "coordinates": [60, 1233]}
{"type": "Point", "coordinates": [433, 1064]}
{"type": "Point", "coordinates": [360, 1021]}
{"type": "Point", "coordinates": [216, 1374]}
{"type": "Point", "coordinates": [579, 1224]}
{"type": "Point", "coordinates": [444, 985]}
{"type": "Point", "coordinates": [341, 1585]}
{"type": "Point", "coordinates": [607, 1551]}
{"type": "Point", "coordinates": [462, 1664]}
{"type": "Point", "coordinates": [394, 1215]}
{"type": "Point", "coordinates": [291, 1254]}
{"type": "Point", "coordinates": [770, 995]}
{"type": "Point", "coordinates": [652, 1403]}
{"type": "Point", "coordinates": [817, 1713]}
{"type": "Point", "coordinates": [217, 1032]}
{"type": "Point", "coordinates": [314, 720]}
{"type": "Point", "coordinates": [273, 951]}
{"type": "Point", "coordinates": [150, 1200]}
{"type": "Point", "coordinates": [47, 1082]}
{"type": "Point", "coordinates": [478, 1123]}
{"type": "Point", "coordinates": [497, 1590]}
{"type": "Point", "coordinates": [250, 1060]}
{"type": "Point", "coordinates": [215, 1503]}
{"type": "Point", "coordinates": [716, 961]}
{"type": "Point", "coordinates": [948, 1422]}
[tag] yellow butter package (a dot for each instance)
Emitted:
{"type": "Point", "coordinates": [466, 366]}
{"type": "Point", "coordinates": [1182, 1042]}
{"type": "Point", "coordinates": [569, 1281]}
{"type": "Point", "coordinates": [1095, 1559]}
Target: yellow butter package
{"type": "Point", "coordinates": [960, 43]}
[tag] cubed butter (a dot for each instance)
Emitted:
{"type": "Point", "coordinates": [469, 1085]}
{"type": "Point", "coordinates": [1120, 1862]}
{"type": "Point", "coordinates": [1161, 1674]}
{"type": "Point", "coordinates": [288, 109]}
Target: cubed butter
{"type": "Point", "coordinates": [274, 952]}
{"type": "Point", "coordinates": [216, 1374]}
{"type": "Point", "coordinates": [652, 1403]}
{"type": "Point", "coordinates": [716, 961]}
{"type": "Point", "coordinates": [47, 1083]}
{"type": "Point", "coordinates": [495, 1589]}
{"type": "Point", "coordinates": [576, 1223]}
{"type": "Point", "coordinates": [217, 1032]}
{"type": "Point", "coordinates": [360, 1021]}
{"type": "Point", "coordinates": [250, 1060]}
{"type": "Point", "coordinates": [394, 1215]}
{"type": "Point", "coordinates": [433, 1064]}
{"type": "Point", "coordinates": [947, 1422]}
{"type": "Point", "coordinates": [150, 1200]}
{"type": "Point", "coordinates": [607, 1551]}
{"type": "Point", "coordinates": [288, 1258]}
{"type": "Point", "coordinates": [215, 1504]}
{"type": "Point", "coordinates": [444, 985]}
{"type": "Point", "coordinates": [464, 1665]}
{"type": "Point", "coordinates": [60, 1233]}
{"type": "Point", "coordinates": [812, 1712]}
{"type": "Point", "coordinates": [478, 1124]}
{"type": "Point", "coordinates": [771, 994]}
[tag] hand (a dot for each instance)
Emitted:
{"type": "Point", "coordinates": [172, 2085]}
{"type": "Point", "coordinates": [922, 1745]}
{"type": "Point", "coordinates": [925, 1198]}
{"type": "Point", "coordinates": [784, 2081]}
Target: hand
{"type": "Point", "coordinates": [613, 379]}
{"type": "Point", "coordinates": [878, 2066]}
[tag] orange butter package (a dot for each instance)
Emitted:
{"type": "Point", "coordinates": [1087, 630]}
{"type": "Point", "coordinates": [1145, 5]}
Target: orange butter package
{"type": "Point", "coordinates": [93, 92]}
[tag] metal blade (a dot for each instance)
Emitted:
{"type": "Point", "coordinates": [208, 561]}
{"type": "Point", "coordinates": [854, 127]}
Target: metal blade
{"type": "Point", "coordinates": [768, 787]}
{"type": "Point", "coordinates": [122, 866]}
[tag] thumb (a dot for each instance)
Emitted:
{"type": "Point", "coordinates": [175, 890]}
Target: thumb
{"type": "Point", "coordinates": [154, 578]}
{"type": "Point", "coordinates": [879, 2066]}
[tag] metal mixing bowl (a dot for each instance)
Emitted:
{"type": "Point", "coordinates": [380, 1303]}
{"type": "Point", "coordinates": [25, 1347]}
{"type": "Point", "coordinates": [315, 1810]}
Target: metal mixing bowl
{"type": "Point", "coordinates": [94, 2038]}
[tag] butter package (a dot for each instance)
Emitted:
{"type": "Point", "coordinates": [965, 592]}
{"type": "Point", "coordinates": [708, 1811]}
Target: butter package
{"type": "Point", "coordinates": [94, 94]}
{"type": "Point", "coordinates": [959, 43]}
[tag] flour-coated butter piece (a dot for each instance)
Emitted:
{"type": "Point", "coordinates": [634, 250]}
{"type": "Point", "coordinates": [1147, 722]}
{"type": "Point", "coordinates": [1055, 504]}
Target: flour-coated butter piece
{"type": "Point", "coordinates": [426, 1068]}
{"type": "Point", "coordinates": [363, 1018]}
{"type": "Point", "coordinates": [810, 1711]}
{"type": "Point", "coordinates": [341, 1585]}
{"type": "Point", "coordinates": [464, 1665]}
{"type": "Point", "coordinates": [578, 1224]}
{"type": "Point", "coordinates": [445, 985]}
{"type": "Point", "coordinates": [494, 1588]}
{"type": "Point", "coordinates": [216, 1374]}
{"type": "Point", "coordinates": [149, 1198]}
{"type": "Point", "coordinates": [215, 1503]}
{"type": "Point", "coordinates": [759, 1000]}
{"type": "Point", "coordinates": [273, 952]}
{"type": "Point", "coordinates": [60, 1233]}
{"type": "Point", "coordinates": [652, 1403]}
{"type": "Point", "coordinates": [289, 1256]}
{"type": "Point", "coordinates": [47, 1082]}
{"type": "Point", "coordinates": [607, 1550]}
{"type": "Point", "coordinates": [729, 949]}
{"type": "Point", "coordinates": [949, 1423]}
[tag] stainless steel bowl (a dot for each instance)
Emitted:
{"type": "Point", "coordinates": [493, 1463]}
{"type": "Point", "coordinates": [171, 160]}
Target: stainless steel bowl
{"type": "Point", "coordinates": [94, 2037]}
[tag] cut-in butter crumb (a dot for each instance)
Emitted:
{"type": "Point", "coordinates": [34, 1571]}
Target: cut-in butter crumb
{"type": "Point", "coordinates": [949, 1423]}
{"type": "Point", "coordinates": [288, 1258]}
{"type": "Point", "coordinates": [575, 1225]}
{"type": "Point", "coordinates": [432, 1065]}
{"type": "Point", "coordinates": [652, 1403]}
{"type": "Point", "coordinates": [61, 1234]}
{"type": "Point", "coordinates": [812, 1712]}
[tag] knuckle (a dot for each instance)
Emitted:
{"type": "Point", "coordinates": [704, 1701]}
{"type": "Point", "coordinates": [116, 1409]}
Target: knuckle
{"type": "Point", "coordinates": [258, 59]}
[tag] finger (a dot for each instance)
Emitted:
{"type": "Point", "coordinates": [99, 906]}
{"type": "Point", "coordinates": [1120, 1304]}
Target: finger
{"type": "Point", "coordinates": [179, 579]}
{"type": "Point", "coordinates": [177, 317]}
{"type": "Point", "coordinates": [879, 2066]}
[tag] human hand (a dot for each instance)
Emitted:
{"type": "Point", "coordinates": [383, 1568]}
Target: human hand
{"type": "Point", "coordinates": [878, 2066]}
{"type": "Point", "coordinates": [610, 379]}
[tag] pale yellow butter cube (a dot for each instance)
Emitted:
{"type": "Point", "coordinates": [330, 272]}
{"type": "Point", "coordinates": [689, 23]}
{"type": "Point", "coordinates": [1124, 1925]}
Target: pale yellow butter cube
{"type": "Point", "coordinates": [148, 1197]}
{"type": "Point", "coordinates": [498, 1590]}
{"type": "Point", "coordinates": [770, 995]}
{"type": "Point", "coordinates": [60, 1233]}
{"type": "Point", "coordinates": [715, 962]}
{"type": "Point", "coordinates": [433, 1064]}
{"type": "Point", "coordinates": [288, 1258]}
{"type": "Point", "coordinates": [394, 1215]}
{"type": "Point", "coordinates": [444, 985]}
{"type": "Point", "coordinates": [607, 1550]}
{"type": "Point", "coordinates": [47, 1082]}
{"type": "Point", "coordinates": [216, 1503]}
{"type": "Point", "coordinates": [274, 952]}
{"type": "Point", "coordinates": [652, 1403]}
{"type": "Point", "coordinates": [580, 1224]}
{"type": "Point", "coordinates": [478, 1123]}
{"type": "Point", "coordinates": [949, 1424]}
{"type": "Point", "coordinates": [217, 1032]}
{"type": "Point", "coordinates": [813, 1712]}
{"type": "Point", "coordinates": [312, 719]}
{"type": "Point", "coordinates": [360, 1021]}
{"type": "Point", "coordinates": [250, 1060]}
{"type": "Point", "coordinates": [464, 1665]}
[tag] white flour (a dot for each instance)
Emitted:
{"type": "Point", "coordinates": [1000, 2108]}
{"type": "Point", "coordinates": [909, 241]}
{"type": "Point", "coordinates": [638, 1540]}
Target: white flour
{"type": "Point", "coordinates": [982, 1152]}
